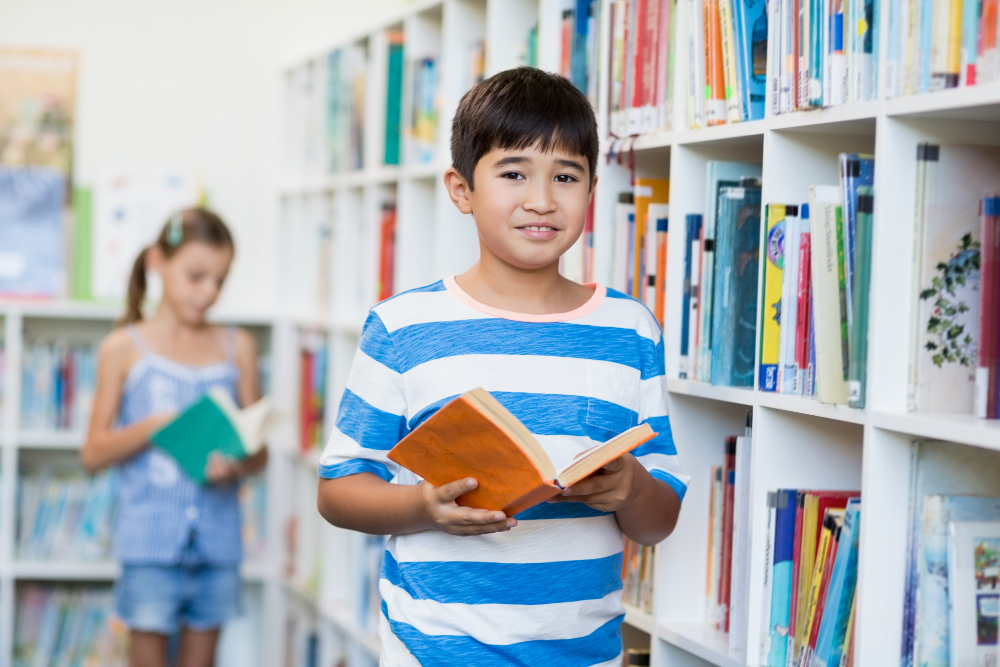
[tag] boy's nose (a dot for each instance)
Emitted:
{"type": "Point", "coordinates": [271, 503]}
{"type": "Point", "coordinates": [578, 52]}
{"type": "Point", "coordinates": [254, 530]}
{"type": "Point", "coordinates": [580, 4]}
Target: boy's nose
{"type": "Point", "coordinates": [539, 198]}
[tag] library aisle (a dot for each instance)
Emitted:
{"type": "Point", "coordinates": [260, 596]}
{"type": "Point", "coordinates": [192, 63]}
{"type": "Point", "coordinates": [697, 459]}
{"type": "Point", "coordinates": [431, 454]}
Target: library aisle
{"type": "Point", "coordinates": [806, 195]}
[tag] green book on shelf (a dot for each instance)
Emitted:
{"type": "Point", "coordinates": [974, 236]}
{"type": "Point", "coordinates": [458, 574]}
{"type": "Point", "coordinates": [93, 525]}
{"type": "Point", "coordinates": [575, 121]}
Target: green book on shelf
{"type": "Point", "coordinates": [214, 424]}
{"type": "Point", "coordinates": [394, 106]}
{"type": "Point", "coordinates": [857, 371]}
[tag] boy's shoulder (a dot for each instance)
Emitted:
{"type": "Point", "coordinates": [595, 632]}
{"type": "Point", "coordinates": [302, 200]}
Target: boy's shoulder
{"type": "Point", "coordinates": [417, 305]}
{"type": "Point", "coordinates": [632, 313]}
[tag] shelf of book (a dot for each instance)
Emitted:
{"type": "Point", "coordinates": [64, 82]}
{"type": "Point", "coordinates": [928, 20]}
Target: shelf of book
{"type": "Point", "coordinates": [50, 439]}
{"type": "Point", "coordinates": [807, 406]}
{"type": "Point", "coordinates": [700, 640]}
{"type": "Point", "coordinates": [712, 392]}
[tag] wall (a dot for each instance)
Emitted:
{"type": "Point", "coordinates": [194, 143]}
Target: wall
{"type": "Point", "coordinates": [192, 83]}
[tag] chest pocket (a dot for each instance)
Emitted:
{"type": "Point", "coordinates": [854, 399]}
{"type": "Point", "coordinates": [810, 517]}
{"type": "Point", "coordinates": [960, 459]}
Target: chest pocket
{"type": "Point", "coordinates": [613, 397]}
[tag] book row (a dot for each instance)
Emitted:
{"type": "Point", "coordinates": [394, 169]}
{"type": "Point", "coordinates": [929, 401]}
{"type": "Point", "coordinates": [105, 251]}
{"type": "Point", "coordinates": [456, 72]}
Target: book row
{"type": "Point", "coordinates": [638, 575]}
{"type": "Point", "coordinates": [939, 44]}
{"type": "Point", "coordinates": [811, 586]}
{"type": "Point", "coordinates": [579, 54]}
{"type": "Point", "coordinates": [57, 384]}
{"type": "Point", "coordinates": [68, 625]}
{"type": "Point", "coordinates": [70, 515]}
{"type": "Point", "coordinates": [313, 359]}
{"type": "Point", "coordinates": [951, 602]}
{"type": "Point", "coordinates": [726, 594]}
{"type": "Point", "coordinates": [814, 299]}
{"type": "Point", "coordinates": [639, 258]}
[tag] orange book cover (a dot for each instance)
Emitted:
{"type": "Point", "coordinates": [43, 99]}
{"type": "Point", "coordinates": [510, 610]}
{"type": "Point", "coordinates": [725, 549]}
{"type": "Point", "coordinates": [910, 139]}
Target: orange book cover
{"type": "Point", "coordinates": [715, 78]}
{"type": "Point", "coordinates": [647, 191]}
{"type": "Point", "coordinates": [475, 436]}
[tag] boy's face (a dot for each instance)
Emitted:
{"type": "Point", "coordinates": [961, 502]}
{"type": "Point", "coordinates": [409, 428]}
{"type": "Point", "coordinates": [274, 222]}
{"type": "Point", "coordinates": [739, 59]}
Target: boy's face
{"type": "Point", "coordinates": [529, 206]}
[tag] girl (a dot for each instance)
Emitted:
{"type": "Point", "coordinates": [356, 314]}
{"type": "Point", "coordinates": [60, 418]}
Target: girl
{"type": "Point", "coordinates": [178, 542]}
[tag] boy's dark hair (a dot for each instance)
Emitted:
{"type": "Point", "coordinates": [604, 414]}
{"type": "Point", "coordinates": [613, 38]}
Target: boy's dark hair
{"type": "Point", "coordinates": [519, 108]}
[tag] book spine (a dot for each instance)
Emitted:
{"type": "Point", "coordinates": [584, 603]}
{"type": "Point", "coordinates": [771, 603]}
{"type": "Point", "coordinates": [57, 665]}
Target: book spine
{"type": "Point", "coordinates": [697, 256]}
{"type": "Point", "coordinates": [816, 582]}
{"type": "Point", "coordinates": [725, 586]}
{"type": "Point", "coordinates": [661, 270]}
{"type": "Point", "coordinates": [820, 610]}
{"type": "Point", "coordinates": [686, 294]}
{"type": "Point", "coordinates": [770, 309]}
{"type": "Point", "coordinates": [926, 154]}
{"type": "Point", "coordinates": [789, 306]}
{"type": "Point", "coordinates": [793, 609]}
{"type": "Point", "coordinates": [803, 309]}
{"type": "Point", "coordinates": [781, 581]}
{"type": "Point", "coordinates": [842, 282]}
{"type": "Point", "coordinates": [859, 332]}
{"type": "Point", "coordinates": [985, 391]}
{"type": "Point", "coordinates": [774, 56]}
{"type": "Point", "coordinates": [734, 111]}
{"type": "Point", "coordinates": [715, 80]}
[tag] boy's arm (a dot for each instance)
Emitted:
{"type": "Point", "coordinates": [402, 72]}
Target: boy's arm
{"type": "Point", "coordinates": [367, 503]}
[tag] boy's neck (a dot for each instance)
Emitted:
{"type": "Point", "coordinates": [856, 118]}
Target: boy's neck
{"type": "Point", "coordinates": [543, 291]}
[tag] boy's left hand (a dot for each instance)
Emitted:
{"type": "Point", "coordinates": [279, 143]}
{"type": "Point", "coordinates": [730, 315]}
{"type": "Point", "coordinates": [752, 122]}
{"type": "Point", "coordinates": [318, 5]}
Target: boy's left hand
{"type": "Point", "coordinates": [222, 469]}
{"type": "Point", "coordinates": [609, 489]}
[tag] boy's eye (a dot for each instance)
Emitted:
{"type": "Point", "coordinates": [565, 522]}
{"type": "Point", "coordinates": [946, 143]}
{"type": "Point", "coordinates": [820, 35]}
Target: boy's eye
{"type": "Point", "coordinates": [512, 176]}
{"type": "Point", "coordinates": [565, 178]}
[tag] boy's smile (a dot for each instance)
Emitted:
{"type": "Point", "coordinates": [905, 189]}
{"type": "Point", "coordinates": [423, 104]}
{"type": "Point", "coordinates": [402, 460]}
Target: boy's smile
{"type": "Point", "coordinates": [529, 205]}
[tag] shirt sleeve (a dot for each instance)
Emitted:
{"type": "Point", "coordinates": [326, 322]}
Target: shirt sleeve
{"type": "Point", "coordinates": [659, 455]}
{"type": "Point", "coordinates": [371, 418]}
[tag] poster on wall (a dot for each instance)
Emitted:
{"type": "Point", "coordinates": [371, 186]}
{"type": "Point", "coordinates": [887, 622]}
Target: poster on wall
{"type": "Point", "coordinates": [37, 97]}
{"type": "Point", "coordinates": [131, 205]}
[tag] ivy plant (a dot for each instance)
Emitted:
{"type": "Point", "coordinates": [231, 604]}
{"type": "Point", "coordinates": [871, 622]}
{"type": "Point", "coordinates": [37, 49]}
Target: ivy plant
{"type": "Point", "coordinates": [948, 340]}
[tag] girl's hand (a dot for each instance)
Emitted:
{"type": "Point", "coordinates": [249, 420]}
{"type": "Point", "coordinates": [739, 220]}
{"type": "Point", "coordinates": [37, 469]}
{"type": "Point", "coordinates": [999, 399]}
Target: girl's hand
{"type": "Point", "coordinates": [222, 469]}
{"type": "Point", "coordinates": [613, 487]}
{"type": "Point", "coordinates": [440, 510]}
{"type": "Point", "coordinates": [155, 422]}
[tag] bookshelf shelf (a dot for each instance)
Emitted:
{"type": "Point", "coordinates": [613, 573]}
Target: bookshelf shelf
{"type": "Point", "coordinates": [808, 406]}
{"type": "Point", "coordinates": [979, 103]}
{"type": "Point", "coordinates": [640, 620]}
{"type": "Point", "coordinates": [721, 132]}
{"type": "Point", "coordinates": [50, 439]}
{"type": "Point", "coordinates": [961, 428]}
{"type": "Point", "coordinates": [65, 571]}
{"type": "Point", "coordinates": [700, 640]}
{"type": "Point", "coordinates": [705, 390]}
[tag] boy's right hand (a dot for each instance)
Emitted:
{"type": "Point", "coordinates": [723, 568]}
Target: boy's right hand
{"type": "Point", "coordinates": [443, 513]}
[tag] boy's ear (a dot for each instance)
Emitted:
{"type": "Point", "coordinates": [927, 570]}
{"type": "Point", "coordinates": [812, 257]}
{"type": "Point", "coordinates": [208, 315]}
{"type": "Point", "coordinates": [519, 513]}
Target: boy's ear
{"type": "Point", "coordinates": [458, 190]}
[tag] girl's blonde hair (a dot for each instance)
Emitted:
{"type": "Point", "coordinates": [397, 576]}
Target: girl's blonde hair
{"type": "Point", "coordinates": [186, 226]}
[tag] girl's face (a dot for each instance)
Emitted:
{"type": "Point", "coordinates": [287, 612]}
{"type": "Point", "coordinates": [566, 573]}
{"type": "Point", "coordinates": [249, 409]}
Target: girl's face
{"type": "Point", "coordinates": [192, 277]}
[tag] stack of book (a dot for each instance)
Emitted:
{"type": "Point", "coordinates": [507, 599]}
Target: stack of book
{"type": "Point", "coordinates": [934, 45]}
{"type": "Point", "coordinates": [345, 110]}
{"type": "Point", "coordinates": [639, 257]}
{"type": "Point", "coordinates": [253, 510]}
{"type": "Point", "coordinates": [953, 335]}
{"type": "Point", "coordinates": [64, 625]}
{"type": "Point", "coordinates": [57, 385]}
{"type": "Point", "coordinates": [812, 543]}
{"type": "Point", "coordinates": [814, 301]}
{"type": "Point", "coordinates": [579, 59]}
{"type": "Point", "coordinates": [421, 128]}
{"type": "Point", "coordinates": [641, 65]}
{"type": "Point", "coordinates": [312, 391]}
{"type": "Point", "coordinates": [719, 317]}
{"type": "Point", "coordinates": [726, 44]}
{"type": "Point", "coordinates": [726, 601]}
{"type": "Point", "coordinates": [638, 568]}
{"type": "Point", "coordinates": [952, 585]}
{"type": "Point", "coordinates": [823, 53]}
{"type": "Point", "coordinates": [65, 516]}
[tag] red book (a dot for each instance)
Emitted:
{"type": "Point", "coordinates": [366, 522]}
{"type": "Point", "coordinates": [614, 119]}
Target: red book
{"type": "Point", "coordinates": [729, 499]}
{"type": "Point", "coordinates": [387, 253]}
{"type": "Point", "coordinates": [637, 55]}
{"type": "Point", "coordinates": [831, 555]}
{"type": "Point", "coordinates": [650, 56]}
{"type": "Point", "coordinates": [567, 43]}
{"type": "Point", "coordinates": [305, 401]}
{"type": "Point", "coordinates": [800, 501]}
{"type": "Point", "coordinates": [988, 373]}
{"type": "Point", "coordinates": [802, 309]}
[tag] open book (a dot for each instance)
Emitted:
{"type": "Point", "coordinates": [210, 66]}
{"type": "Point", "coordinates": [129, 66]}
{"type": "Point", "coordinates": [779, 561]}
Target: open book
{"type": "Point", "coordinates": [475, 436]}
{"type": "Point", "coordinates": [216, 424]}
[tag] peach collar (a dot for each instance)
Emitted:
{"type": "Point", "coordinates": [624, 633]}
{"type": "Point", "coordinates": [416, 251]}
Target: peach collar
{"type": "Point", "coordinates": [599, 293]}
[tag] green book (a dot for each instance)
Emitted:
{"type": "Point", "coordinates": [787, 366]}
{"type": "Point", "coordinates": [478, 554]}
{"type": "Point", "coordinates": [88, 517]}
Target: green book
{"type": "Point", "coordinates": [394, 106]}
{"type": "Point", "coordinates": [842, 280]}
{"type": "Point", "coordinates": [214, 424]}
{"type": "Point", "coordinates": [862, 280]}
{"type": "Point", "coordinates": [80, 281]}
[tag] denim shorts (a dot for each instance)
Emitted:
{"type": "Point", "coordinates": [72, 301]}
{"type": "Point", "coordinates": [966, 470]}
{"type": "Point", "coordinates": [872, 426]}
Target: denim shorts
{"type": "Point", "coordinates": [165, 598]}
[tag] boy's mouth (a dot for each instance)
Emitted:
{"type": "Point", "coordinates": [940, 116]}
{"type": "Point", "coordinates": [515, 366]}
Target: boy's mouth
{"type": "Point", "coordinates": [540, 232]}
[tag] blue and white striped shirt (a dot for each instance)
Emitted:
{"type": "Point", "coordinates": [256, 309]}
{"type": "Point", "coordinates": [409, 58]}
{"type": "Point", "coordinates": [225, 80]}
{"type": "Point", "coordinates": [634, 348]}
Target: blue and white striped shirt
{"type": "Point", "coordinates": [548, 591]}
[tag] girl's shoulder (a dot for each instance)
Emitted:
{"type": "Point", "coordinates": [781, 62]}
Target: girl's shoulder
{"type": "Point", "coordinates": [118, 352]}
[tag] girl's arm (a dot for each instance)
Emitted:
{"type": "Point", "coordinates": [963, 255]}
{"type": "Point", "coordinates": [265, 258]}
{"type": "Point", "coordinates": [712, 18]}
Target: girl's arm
{"type": "Point", "coordinates": [105, 445]}
{"type": "Point", "coordinates": [248, 391]}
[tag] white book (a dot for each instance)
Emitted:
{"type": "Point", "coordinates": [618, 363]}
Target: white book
{"type": "Point", "coordinates": [831, 385]}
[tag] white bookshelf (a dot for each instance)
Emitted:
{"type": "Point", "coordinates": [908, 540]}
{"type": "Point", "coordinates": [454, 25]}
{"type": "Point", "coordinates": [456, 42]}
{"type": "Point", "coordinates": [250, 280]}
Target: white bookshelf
{"type": "Point", "coordinates": [23, 322]}
{"type": "Point", "coordinates": [797, 442]}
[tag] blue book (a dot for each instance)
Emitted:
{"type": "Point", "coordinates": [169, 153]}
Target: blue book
{"type": "Point", "coordinates": [737, 256]}
{"type": "Point", "coordinates": [781, 579]}
{"type": "Point", "coordinates": [578, 57]}
{"type": "Point", "coordinates": [693, 221]}
{"type": "Point", "coordinates": [750, 23]}
{"type": "Point", "coordinates": [840, 593]}
{"type": "Point", "coordinates": [31, 231]}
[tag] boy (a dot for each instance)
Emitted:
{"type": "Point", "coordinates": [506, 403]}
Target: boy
{"type": "Point", "coordinates": [577, 364]}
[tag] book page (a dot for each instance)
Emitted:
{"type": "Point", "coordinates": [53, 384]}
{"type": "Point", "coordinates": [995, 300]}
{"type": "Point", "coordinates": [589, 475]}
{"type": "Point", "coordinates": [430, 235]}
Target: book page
{"type": "Point", "coordinates": [596, 457]}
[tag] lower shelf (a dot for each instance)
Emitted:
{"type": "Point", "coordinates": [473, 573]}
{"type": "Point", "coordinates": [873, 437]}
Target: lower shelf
{"type": "Point", "coordinates": [701, 640]}
{"type": "Point", "coordinates": [101, 571]}
{"type": "Point", "coordinates": [640, 620]}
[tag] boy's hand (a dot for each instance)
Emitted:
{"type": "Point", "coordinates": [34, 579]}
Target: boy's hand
{"type": "Point", "coordinates": [609, 489]}
{"type": "Point", "coordinates": [222, 469]}
{"type": "Point", "coordinates": [443, 513]}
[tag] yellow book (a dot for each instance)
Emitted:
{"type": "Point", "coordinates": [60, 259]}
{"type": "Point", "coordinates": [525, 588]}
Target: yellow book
{"type": "Point", "coordinates": [807, 557]}
{"type": "Point", "coordinates": [647, 191]}
{"type": "Point", "coordinates": [817, 579]}
{"type": "Point", "coordinates": [770, 328]}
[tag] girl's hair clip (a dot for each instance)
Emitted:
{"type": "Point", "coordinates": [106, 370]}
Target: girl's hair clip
{"type": "Point", "coordinates": [175, 230]}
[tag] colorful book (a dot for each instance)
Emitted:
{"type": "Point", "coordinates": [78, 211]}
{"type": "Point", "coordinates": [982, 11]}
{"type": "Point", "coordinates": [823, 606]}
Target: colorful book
{"type": "Point", "coordinates": [715, 79]}
{"type": "Point", "coordinates": [475, 436]}
{"type": "Point", "coordinates": [855, 171]}
{"type": "Point", "coordinates": [771, 292]}
{"type": "Point", "coordinates": [689, 295]}
{"type": "Point", "coordinates": [974, 592]}
{"type": "Point", "coordinates": [781, 580]}
{"type": "Point", "coordinates": [803, 310]}
{"type": "Point", "coordinates": [394, 94]}
{"type": "Point", "coordinates": [728, 518]}
{"type": "Point", "coordinates": [647, 191]}
{"type": "Point", "coordinates": [787, 370]}
{"type": "Point", "coordinates": [840, 596]}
